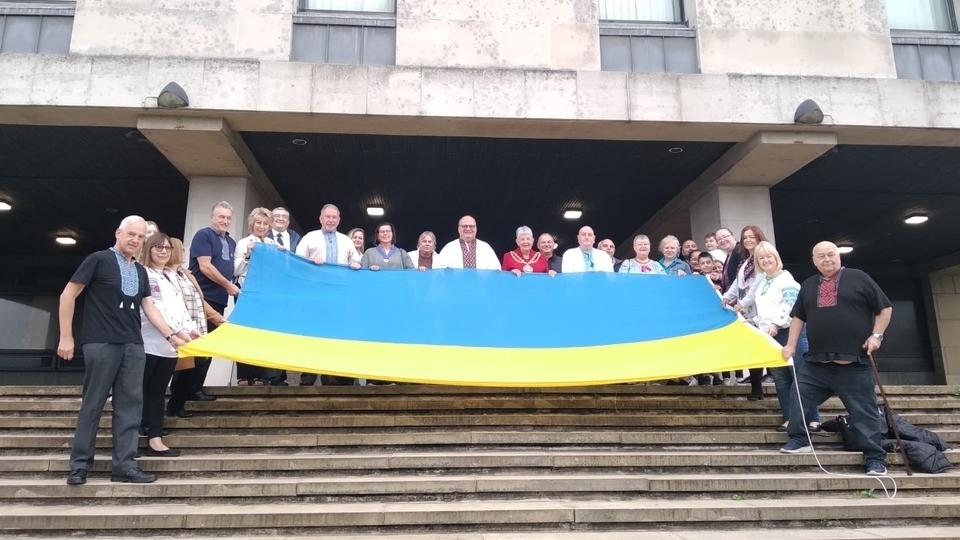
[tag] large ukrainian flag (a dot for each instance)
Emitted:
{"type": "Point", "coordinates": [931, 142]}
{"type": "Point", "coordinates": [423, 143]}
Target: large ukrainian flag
{"type": "Point", "coordinates": [481, 328]}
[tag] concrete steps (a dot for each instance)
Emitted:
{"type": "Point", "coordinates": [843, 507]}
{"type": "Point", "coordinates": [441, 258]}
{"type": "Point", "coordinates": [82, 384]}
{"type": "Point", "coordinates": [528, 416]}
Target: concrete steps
{"type": "Point", "coordinates": [473, 464]}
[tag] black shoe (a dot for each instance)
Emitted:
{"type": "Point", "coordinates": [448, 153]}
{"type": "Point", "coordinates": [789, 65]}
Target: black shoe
{"type": "Point", "coordinates": [169, 452]}
{"type": "Point", "coordinates": [279, 383]}
{"type": "Point", "coordinates": [134, 476]}
{"type": "Point", "coordinates": [202, 396]}
{"type": "Point", "coordinates": [717, 381]}
{"type": "Point", "coordinates": [756, 395]}
{"type": "Point", "coordinates": [77, 477]}
{"type": "Point", "coordinates": [143, 430]}
{"type": "Point", "coordinates": [703, 380]}
{"type": "Point", "coordinates": [180, 413]}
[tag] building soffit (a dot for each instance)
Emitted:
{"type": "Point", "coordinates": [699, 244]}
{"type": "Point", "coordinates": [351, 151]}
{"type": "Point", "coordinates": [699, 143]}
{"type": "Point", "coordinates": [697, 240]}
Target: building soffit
{"type": "Point", "coordinates": [764, 160]}
{"type": "Point", "coordinates": [202, 146]}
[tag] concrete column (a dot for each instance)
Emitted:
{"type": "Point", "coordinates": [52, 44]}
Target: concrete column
{"type": "Point", "coordinates": [733, 207]}
{"type": "Point", "coordinates": [205, 191]}
{"type": "Point", "coordinates": [942, 300]}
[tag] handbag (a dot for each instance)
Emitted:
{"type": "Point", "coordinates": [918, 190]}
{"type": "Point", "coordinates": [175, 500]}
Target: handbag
{"type": "Point", "coordinates": [187, 362]}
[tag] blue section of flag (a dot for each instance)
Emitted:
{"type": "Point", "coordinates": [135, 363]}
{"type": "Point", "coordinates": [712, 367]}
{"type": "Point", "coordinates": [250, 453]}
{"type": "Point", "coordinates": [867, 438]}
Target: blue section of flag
{"type": "Point", "coordinates": [471, 308]}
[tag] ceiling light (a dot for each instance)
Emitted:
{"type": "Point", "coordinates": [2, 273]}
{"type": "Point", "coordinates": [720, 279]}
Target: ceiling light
{"type": "Point", "coordinates": [374, 211]}
{"type": "Point", "coordinates": [173, 96]}
{"type": "Point", "coordinates": [916, 219]}
{"type": "Point", "coordinates": [572, 214]}
{"type": "Point", "coordinates": [675, 150]}
{"type": "Point", "coordinates": [5, 206]}
{"type": "Point", "coordinates": [845, 249]}
{"type": "Point", "coordinates": [299, 142]}
{"type": "Point", "coordinates": [66, 240]}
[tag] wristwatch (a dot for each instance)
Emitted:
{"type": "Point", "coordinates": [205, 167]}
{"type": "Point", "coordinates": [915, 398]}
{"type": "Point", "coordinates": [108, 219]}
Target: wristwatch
{"type": "Point", "coordinates": [879, 337]}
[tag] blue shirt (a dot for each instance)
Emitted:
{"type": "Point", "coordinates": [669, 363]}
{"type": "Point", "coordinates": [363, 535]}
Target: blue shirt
{"type": "Point", "coordinates": [208, 243]}
{"type": "Point", "coordinates": [677, 265]}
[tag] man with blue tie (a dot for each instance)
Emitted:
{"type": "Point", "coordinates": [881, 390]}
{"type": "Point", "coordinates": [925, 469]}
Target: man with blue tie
{"type": "Point", "coordinates": [280, 233]}
{"type": "Point", "coordinates": [585, 258]}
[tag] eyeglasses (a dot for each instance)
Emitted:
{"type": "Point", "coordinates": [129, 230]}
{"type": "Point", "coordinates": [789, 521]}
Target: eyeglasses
{"type": "Point", "coordinates": [163, 248]}
{"type": "Point", "coordinates": [468, 226]}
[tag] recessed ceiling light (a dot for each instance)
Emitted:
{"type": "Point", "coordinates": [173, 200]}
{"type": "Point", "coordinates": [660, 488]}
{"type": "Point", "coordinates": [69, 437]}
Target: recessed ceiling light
{"type": "Point", "coordinates": [374, 211]}
{"type": "Point", "coordinates": [299, 142]}
{"type": "Point", "coordinates": [916, 219]}
{"type": "Point", "coordinates": [66, 240]}
{"type": "Point", "coordinates": [675, 150]}
{"type": "Point", "coordinates": [111, 210]}
{"type": "Point", "coordinates": [572, 214]}
{"type": "Point", "coordinates": [5, 206]}
{"type": "Point", "coordinates": [845, 249]}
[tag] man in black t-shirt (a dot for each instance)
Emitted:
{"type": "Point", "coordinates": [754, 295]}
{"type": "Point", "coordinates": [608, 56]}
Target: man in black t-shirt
{"type": "Point", "coordinates": [115, 288]}
{"type": "Point", "coordinates": [846, 314]}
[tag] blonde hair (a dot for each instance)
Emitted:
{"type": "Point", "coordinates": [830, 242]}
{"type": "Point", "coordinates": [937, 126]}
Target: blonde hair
{"type": "Point", "coordinates": [176, 255]}
{"type": "Point", "coordinates": [766, 248]}
{"type": "Point", "coordinates": [259, 213]}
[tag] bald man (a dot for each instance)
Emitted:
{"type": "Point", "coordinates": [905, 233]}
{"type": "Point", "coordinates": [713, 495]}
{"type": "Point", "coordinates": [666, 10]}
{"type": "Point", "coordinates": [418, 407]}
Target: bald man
{"type": "Point", "coordinates": [608, 247]}
{"type": "Point", "coordinates": [846, 314]}
{"type": "Point", "coordinates": [584, 257]}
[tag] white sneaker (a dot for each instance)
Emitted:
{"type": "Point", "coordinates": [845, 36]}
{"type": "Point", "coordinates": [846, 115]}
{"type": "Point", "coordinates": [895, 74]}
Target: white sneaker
{"type": "Point", "coordinates": [729, 381]}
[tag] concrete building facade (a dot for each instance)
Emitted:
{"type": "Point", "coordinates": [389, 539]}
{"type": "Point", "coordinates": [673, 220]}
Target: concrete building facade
{"type": "Point", "coordinates": [716, 81]}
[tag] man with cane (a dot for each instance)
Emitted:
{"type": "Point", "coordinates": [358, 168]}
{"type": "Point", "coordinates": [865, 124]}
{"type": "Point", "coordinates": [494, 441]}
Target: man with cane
{"type": "Point", "coordinates": [846, 314]}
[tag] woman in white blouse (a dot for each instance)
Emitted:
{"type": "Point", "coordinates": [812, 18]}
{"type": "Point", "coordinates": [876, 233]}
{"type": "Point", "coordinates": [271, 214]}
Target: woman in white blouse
{"type": "Point", "coordinates": [258, 223]}
{"type": "Point", "coordinates": [774, 297]}
{"type": "Point", "coordinates": [161, 356]}
{"type": "Point", "coordinates": [642, 263]}
{"type": "Point", "coordinates": [740, 293]}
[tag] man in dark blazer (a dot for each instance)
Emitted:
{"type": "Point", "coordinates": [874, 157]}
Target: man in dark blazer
{"type": "Point", "coordinates": [728, 243]}
{"type": "Point", "coordinates": [280, 232]}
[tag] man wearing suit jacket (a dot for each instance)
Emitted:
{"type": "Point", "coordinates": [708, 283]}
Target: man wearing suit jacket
{"type": "Point", "coordinates": [326, 246]}
{"type": "Point", "coordinates": [280, 232]}
{"type": "Point", "coordinates": [585, 258]}
{"type": "Point", "coordinates": [728, 243]}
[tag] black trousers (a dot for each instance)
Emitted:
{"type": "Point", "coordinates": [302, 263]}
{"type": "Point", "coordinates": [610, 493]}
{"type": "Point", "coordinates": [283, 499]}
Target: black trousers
{"type": "Point", "coordinates": [188, 382]}
{"type": "Point", "coordinates": [157, 371]}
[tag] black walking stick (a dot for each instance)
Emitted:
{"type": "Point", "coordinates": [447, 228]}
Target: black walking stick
{"type": "Point", "coordinates": [887, 410]}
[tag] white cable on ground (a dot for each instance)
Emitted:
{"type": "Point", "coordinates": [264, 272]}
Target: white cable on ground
{"type": "Point", "coordinates": [806, 428]}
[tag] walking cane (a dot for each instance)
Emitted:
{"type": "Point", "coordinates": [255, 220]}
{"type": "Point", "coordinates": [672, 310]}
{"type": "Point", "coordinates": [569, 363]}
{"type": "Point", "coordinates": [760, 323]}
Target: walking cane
{"type": "Point", "coordinates": [887, 410]}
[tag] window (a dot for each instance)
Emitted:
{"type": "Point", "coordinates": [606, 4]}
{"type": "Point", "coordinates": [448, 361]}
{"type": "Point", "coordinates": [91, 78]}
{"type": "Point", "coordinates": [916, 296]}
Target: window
{"type": "Point", "coordinates": [922, 15]}
{"type": "Point", "coordinates": [354, 6]}
{"type": "Point", "coordinates": [664, 11]}
{"type": "Point", "coordinates": [33, 27]}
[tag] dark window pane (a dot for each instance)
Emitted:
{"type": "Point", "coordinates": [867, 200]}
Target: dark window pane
{"type": "Point", "coordinates": [615, 53]}
{"type": "Point", "coordinates": [20, 34]}
{"type": "Point", "coordinates": [55, 35]}
{"type": "Point", "coordinates": [647, 54]}
{"type": "Point", "coordinates": [935, 62]}
{"type": "Point", "coordinates": [380, 46]}
{"type": "Point", "coordinates": [680, 55]}
{"type": "Point", "coordinates": [907, 59]}
{"type": "Point", "coordinates": [2, 20]}
{"type": "Point", "coordinates": [309, 43]}
{"type": "Point", "coordinates": [955, 59]}
{"type": "Point", "coordinates": [30, 322]}
{"type": "Point", "coordinates": [345, 45]}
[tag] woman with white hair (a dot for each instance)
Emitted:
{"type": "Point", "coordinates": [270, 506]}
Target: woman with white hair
{"type": "Point", "coordinates": [671, 262]}
{"type": "Point", "coordinates": [524, 260]}
{"type": "Point", "coordinates": [641, 263]}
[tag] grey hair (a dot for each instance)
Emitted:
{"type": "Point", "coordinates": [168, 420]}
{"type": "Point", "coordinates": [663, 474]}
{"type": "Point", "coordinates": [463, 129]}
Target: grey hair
{"type": "Point", "coordinates": [641, 237]}
{"type": "Point", "coordinates": [222, 204]}
{"type": "Point", "coordinates": [668, 238]}
{"type": "Point", "coordinates": [427, 233]}
{"type": "Point", "coordinates": [523, 229]}
{"type": "Point", "coordinates": [328, 205]}
{"type": "Point", "coordinates": [130, 220]}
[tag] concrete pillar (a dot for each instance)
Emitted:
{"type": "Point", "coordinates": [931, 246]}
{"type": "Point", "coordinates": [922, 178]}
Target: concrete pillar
{"type": "Point", "coordinates": [733, 207]}
{"type": "Point", "coordinates": [205, 191]}
{"type": "Point", "coordinates": [942, 301]}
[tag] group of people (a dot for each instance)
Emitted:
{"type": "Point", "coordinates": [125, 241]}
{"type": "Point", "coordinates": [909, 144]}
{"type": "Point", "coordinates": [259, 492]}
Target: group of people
{"type": "Point", "coordinates": [137, 313]}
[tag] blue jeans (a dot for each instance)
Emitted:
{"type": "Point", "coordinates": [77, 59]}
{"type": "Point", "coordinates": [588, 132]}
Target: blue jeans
{"type": "Point", "coordinates": [783, 377]}
{"type": "Point", "coordinates": [855, 386]}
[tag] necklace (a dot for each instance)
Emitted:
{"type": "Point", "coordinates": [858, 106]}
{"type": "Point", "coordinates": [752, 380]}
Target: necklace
{"type": "Point", "coordinates": [527, 263]}
{"type": "Point", "coordinates": [386, 254]}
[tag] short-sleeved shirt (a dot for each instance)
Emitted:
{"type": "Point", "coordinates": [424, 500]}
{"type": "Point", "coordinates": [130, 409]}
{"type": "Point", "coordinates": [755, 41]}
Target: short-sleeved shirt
{"type": "Point", "coordinates": [838, 324]}
{"type": "Point", "coordinates": [113, 291]}
{"type": "Point", "coordinates": [208, 243]}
